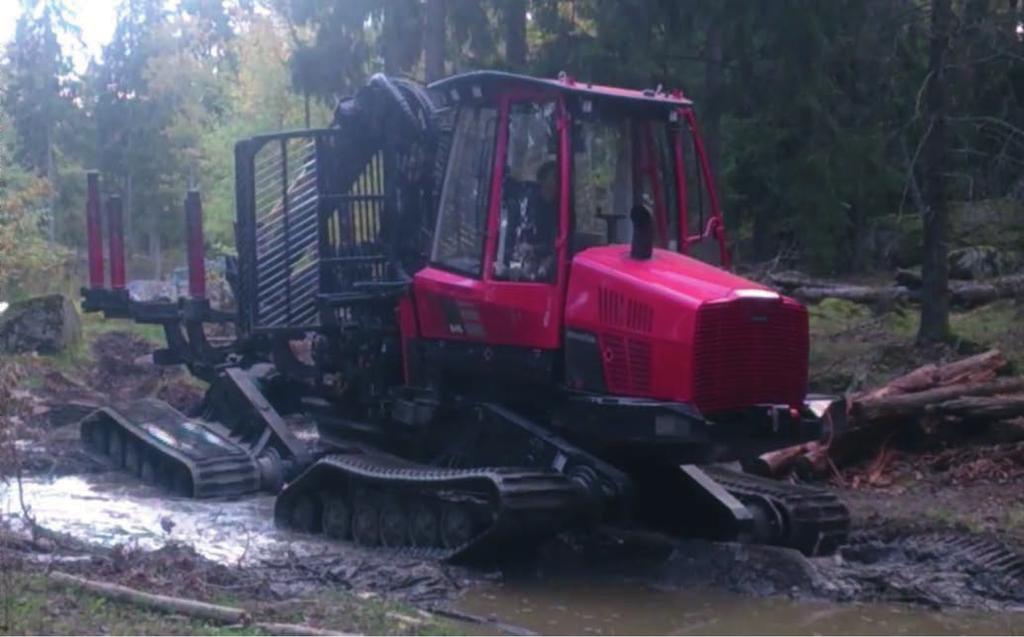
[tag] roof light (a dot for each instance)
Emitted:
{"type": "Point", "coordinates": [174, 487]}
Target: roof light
{"type": "Point", "coordinates": [673, 116]}
{"type": "Point", "coordinates": [747, 293]}
{"type": "Point", "coordinates": [588, 106]}
{"type": "Point", "coordinates": [477, 93]}
{"type": "Point", "coordinates": [455, 95]}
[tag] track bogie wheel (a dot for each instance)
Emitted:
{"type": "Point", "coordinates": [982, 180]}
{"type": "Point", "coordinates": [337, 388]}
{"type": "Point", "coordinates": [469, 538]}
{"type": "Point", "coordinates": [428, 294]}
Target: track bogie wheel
{"type": "Point", "coordinates": [424, 524]}
{"type": "Point", "coordinates": [179, 481]}
{"type": "Point", "coordinates": [337, 516]}
{"type": "Point", "coordinates": [98, 438]}
{"type": "Point", "coordinates": [149, 469]}
{"type": "Point", "coordinates": [133, 456]}
{"type": "Point", "coordinates": [306, 515]}
{"type": "Point", "coordinates": [115, 448]}
{"type": "Point", "coordinates": [365, 521]}
{"type": "Point", "coordinates": [394, 523]}
{"type": "Point", "coordinates": [458, 525]}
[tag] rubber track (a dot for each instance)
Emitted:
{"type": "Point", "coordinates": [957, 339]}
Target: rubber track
{"type": "Point", "coordinates": [817, 522]}
{"type": "Point", "coordinates": [216, 464]}
{"type": "Point", "coordinates": [526, 506]}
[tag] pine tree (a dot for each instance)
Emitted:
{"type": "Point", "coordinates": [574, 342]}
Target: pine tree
{"type": "Point", "coordinates": [39, 92]}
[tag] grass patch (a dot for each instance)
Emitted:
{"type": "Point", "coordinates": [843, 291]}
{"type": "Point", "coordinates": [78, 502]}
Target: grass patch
{"type": "Point", "coordinates": [94, 326]}
{"type": "Point", "coordinates": [31, 604]}
{"type": "Point", "coordinates": [997, 324]}
{"type": "Point", "coordinates": [372, 616]}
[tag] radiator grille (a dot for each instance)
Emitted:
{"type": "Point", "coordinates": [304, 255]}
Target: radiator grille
{"type": "Point", "coordinates": [615, 310]}
{"type": "Point", "coordinates": [749, 351]}
{"type": "Point", "coordinates": [627, 363]}
{"type": "Point", "coordinates": [287, 235]}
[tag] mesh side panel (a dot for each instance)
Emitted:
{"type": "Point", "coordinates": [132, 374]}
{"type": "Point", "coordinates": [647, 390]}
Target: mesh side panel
{"type": "Point", "coordinates": [286, 229]}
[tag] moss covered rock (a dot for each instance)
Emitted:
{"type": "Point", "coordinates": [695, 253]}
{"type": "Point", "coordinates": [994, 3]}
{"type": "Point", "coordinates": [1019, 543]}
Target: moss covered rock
{"type": "Point", "coordinates": [44, 324]}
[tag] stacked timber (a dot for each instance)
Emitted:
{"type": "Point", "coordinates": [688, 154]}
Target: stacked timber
{"type": "Point", "coordinates": [964, 391]}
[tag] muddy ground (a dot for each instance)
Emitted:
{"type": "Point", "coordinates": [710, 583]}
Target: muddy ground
{"type": "Point", "coordinates": [936, 528]}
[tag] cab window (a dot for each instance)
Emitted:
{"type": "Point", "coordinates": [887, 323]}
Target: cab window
{"type": "Point", "coordinates": [528, 225]}
{"type": "Point", "coordinates": [619, 163]}
{"type": "Point", "coordinates": [462, 215]}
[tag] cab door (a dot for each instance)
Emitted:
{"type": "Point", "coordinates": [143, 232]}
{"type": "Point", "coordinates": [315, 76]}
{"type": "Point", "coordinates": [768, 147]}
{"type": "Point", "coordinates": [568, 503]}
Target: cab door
{"type": "Point", "coordinates": [498, 264]}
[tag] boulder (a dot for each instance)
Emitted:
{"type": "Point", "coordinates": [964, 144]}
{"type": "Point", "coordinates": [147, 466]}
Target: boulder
{"type": "Point", "coordinates": [982, 262]}
{"type": "Point", "coordinates": [44, 324]}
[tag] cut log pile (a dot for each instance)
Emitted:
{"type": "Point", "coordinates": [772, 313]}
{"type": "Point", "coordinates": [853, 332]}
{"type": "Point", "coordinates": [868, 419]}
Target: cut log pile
{"type": "Point", "coordinates": [938, 398]}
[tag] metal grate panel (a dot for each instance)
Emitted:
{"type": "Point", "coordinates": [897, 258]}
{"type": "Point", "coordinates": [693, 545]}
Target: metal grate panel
{"type": "Point", "coordinates": [286, 200]}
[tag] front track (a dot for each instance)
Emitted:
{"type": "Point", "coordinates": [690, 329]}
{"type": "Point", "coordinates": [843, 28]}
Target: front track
{"type": "Point", "coordinates": [452, 514]}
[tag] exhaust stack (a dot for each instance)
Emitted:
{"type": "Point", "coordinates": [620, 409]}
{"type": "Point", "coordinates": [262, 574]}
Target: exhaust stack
{"type": "Point", "coordinates": [115, 241]}
{"type": "Point", "coordinates": [94, 230]}
{"type": "Point", "coordinates": [194, 235]}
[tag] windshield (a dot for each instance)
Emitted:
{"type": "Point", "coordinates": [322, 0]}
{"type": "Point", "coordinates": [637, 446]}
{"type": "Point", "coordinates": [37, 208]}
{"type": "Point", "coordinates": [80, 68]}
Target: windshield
{"type": "Point", "coordinates": [618, 163]}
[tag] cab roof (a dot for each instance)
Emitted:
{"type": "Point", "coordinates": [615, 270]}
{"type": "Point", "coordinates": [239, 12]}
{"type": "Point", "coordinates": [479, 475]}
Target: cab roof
{"type": "Point", "coordinates": [490, 81]}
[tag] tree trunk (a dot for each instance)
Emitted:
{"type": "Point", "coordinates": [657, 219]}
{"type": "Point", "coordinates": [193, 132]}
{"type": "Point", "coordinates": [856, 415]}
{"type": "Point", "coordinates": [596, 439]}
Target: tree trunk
{"type": "Point", "coordinates": [515, 34]}
{"type": "Point", "coordinates": [435, 39]}
{"type": "Point", "coordinates": [712, 112]}
{"type": "Point", "coordinates": [935, 269]}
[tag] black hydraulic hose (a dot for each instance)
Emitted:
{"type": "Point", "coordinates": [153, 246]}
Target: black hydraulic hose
{"type": "Point", "coordinates": [381, 81]}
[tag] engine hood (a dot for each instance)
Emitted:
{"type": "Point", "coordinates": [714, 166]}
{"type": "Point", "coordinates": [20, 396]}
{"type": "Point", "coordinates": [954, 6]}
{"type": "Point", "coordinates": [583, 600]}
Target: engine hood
{"type": "Point", "coordinates": [672, 327]}
{"type": "Point", "coordinates": [687, 280]}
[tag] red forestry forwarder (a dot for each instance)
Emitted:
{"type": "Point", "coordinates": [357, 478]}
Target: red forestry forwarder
{"type": "Point", "coordinates": [486, 295]}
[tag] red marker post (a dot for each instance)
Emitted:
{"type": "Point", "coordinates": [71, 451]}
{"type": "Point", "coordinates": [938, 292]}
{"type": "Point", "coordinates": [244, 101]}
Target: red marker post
{"type": "Point", "coordinates": [94, 230]}
{"type": "Point", "coordinates": [115, 241]}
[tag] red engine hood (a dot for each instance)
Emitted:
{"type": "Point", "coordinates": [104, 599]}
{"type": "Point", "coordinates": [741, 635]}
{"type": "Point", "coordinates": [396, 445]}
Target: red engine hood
{"type": "Point", "coordinates": [674, 328]}
{"type": "Point", "coordinates": [690, 281]}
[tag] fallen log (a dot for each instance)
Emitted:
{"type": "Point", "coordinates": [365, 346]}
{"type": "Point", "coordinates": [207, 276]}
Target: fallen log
{"type": "Point", "coordinates": [790, 280]}
{"type": "Point", "coordinates": [813, 464]}
{"type": "Point", "coordinates": [164, 603]}
{"type": "Point", "coordinates": [973, 293]}
{"type": "Point", "coordinates": [869, 295]}
{"type": "Point", "coordinates": [980, 407]}
{"type": "Point", "coordinates": [902, 406]}
{"type": "Point", "coordinates": [273, 628]}
{"type": "Point", "coordinates": [980, 368]}
{"type": "Point", "coordinates": [973, 367]}
{"type": "Point", "coordinates": [920, 379]}
{"type": "Point", "coordinates": [777, 463]}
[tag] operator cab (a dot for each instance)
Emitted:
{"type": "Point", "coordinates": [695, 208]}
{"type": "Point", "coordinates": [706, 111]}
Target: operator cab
{"type": "Point", "coordinates": [539, 171]}
{"type": "Point", "coordinates": [621, 149]}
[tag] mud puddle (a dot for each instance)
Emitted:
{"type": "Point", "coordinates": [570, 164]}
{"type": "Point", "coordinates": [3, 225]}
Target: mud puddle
{"type": "Point", "coordinates": [109, 509]}
{"type": "Point", "coordinates": [113, 511]}
{"type": "Point", "coordinates": [609, 584]}
{"type": "Point", "coordinates": [622, 607]}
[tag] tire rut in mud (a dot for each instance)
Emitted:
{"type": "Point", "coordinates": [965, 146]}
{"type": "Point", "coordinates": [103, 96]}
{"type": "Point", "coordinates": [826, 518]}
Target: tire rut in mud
{"type": "Point", "coordinates": [937, 569]}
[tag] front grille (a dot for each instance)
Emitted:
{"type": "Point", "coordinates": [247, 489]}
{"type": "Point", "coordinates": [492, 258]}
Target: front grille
{"type": "Point", "coordinates": [627, 364]}
{"type": "Point", "coordinates": [747, 352]}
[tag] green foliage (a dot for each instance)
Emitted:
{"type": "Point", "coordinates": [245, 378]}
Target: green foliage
{"type": "Point", "coordinates": [27, 259]}
{"type": "Point", "coordinates": [811, 110]}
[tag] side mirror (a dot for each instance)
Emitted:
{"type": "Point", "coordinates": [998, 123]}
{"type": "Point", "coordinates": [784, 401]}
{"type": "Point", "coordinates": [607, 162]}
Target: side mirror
{"type": "Point", "coordinates": [642, 246]}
